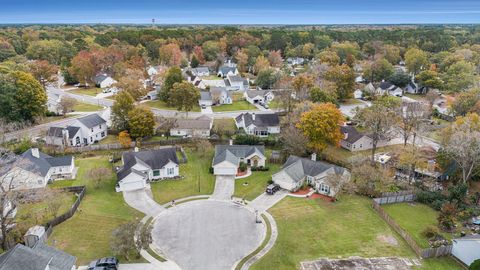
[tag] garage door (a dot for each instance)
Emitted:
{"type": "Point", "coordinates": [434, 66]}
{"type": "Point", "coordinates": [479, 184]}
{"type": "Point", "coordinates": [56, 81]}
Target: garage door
{"type": "Point", "coordinates": [127, 186]}
{"type": "Point", "coordinates": [225, 171]}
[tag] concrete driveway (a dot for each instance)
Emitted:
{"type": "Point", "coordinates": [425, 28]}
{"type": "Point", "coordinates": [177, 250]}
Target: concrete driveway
{"type": "Point", "coordinates": [265, 201]}
{"type": "Point", "coordinates": [206, 234]}
{"type": "Point", "coordinates": [224, 187]}
{"type": "Point", "coordinates": [207, 110]}
{"type": "Point", "coordinates": [142, 201]}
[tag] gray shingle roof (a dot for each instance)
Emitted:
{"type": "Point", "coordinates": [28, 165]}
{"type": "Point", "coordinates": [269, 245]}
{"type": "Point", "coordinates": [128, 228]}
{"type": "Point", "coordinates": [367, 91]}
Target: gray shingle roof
{"type": "Point", "coordinates": [353, 134]}
{"type": "Point", "coordinates": [72, 131]}
{"type": "Point", "coordinates": [225, 69]}
{"type": "Point", "coordinates": [200, 70]}
{"type": "Point", "coordinates": [297, 168]}
{"type": "Point", "coordinates": [192, 124]}
{"type": "Point", "coordinates": [204, 95]}
{"type": "Point", "coordinates": [155, 159]}
{"type": "Point", "coordinates": [233, 153]}
{"type": "Point", "coordinates": [55, 132]}
{"type": "Point", "coordinates": [254, 93]}
{"type": "Point", "coordinates": [60, 161]}
{"type": "Point", "coordinates": [261, 120]}
{"type": "Point", "coordinates": [24, 258]}
{"type": "Point", "coordinates": [92, 120]}
{"type": "Point", "coordinates": [42, 164]}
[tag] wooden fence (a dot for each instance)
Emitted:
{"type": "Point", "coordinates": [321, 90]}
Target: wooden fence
{"type": "Point", "coordinates": [423, 253]}
{"type": "Point", "coordinates": [80, 190]}
{"type": "Point", "coordinates": [396, 198]}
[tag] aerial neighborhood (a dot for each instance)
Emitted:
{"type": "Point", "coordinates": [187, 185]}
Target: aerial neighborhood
{"type": "Point", "coordinates": [239, 147]}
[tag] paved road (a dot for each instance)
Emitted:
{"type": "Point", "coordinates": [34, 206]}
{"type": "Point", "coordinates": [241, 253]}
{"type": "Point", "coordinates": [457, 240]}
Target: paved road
{"type": "Point", "coordinates": [224, 187]}
{"type": "Point", "coordinates": [265, 201]}
{"type": "Point", "coordinates": [142, 201]}
{"type": "Point", "coordinates": [140, 266]}
{"type": "Point", "coordinates": [206, 234]}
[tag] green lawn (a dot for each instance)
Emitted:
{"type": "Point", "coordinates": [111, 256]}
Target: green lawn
{"type": "Point", "coordinates": [197, 181]}
{"type": "Point", "coordinates": [211, 78]}
{"type": "Point", "coordinates": [310, 229]}
{"type": "Point", "coordinates": [235, 106]}
{"type": "Point", "coordinates": [87, 234]}
{"type": "Point", "coordinates": [85, 107]}
{"type": "Point", "coordinates": [87, 91]}
{"type": "Point", "coordinates": [159, 104]}
{"type": "Point", "coordinates": [256, 183]}
{"type": "Point", "coordinates": [109, 139]}
{"type": "Point", "coordinates": [414, 218]}
{"type": "Point", "coordinates": [443, 263]}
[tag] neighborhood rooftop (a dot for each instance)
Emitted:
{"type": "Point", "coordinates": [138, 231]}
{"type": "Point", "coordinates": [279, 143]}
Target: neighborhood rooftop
{"type": "Point", "coordinates": [233, 153]}
{"type": "Point", "coordinates": [40, 257]}
{"type": "Point", "coordinates": [154, 159]}
{"type": "Point", "coordinates": [92, 120]}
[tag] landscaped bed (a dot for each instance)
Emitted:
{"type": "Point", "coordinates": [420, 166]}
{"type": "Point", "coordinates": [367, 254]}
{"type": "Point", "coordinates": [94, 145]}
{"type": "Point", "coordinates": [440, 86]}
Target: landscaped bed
{"type": "Point", "coordinates": [197, 180]}
{"type": "Point", "coordinates": [240, 105]}
{"type": "Point", "coordinates": [87, 234]}
{"type": "Point", "coordinates": [251, 187]}
{"type": "Point", "coordinates": [311, 229]}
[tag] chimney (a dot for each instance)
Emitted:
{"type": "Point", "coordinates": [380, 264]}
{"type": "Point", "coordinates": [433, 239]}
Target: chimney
{"type": "Point", "coordinates": [136, 149]}
{"type": "Point", "coordinates": [35, 152]}
{"type": "Point", "coordinates": [34, 235]}
{"type": "Point", "coordinates": [230, 142]}
{"type": "Point", "coordinates": [345, 135]}
{"type": "Point", "coordinates": [314, 156]}
{"type": "Point", "coordinates": [253, 116]}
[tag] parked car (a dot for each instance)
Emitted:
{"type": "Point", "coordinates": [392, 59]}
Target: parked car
{"type": "Point", "coordinates": [110, 263]}
{"type": "Point", "coordinates": [272, 189]}
{"type": "Point", "coordinates": [203, 106]}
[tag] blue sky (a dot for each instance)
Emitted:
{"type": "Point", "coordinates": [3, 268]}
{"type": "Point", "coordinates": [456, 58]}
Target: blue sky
{"type": "Point", "coordinates": [240, 11]}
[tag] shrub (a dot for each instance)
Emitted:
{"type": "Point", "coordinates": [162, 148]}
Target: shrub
{"type": "Point", "coordinates": [475, 265]}
{"type": "Point", "coordinates": [447, 216]}
{"type": "Point", "coordinates": [270, 181]}
{"type": "Point", "coordinates": [431, 232]}
{"type": "Point", "coordinates": [260, 168]}
{"type": "Point", "coordinates": [242, 166]}
{"type": "Point", "coordinates": [210, 170]}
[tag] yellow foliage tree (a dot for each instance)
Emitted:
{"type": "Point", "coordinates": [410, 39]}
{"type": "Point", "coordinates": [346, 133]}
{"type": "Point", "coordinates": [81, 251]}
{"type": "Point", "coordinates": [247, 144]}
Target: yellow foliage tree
{"type": "Point", "coordinates": [124, 139]}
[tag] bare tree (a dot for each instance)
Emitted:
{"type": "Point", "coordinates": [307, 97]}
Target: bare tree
{"type": "Point", "coordinates": [124, 244]}
{"type": "Point", "coordinates": [97, 175]}
{"type": "Point", "coordinates": [203, 147]}
{"type": "Point", "coordinates": [336, 183]}
{"type": "Point", "coordinates": [293, 141]}
{"type": "Point", "coordinates": [165, 125]}
{"type": "Point", "coordinates": [412, 115]}
{"type": "Point", "coordinates": [67, 104]}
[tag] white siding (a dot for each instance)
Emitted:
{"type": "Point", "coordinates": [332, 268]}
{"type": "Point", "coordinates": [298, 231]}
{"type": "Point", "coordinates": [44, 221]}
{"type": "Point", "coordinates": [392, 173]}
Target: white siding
{"type": "Point", "coordinates": [285, 181]}
{"type": "Point", "coordinates": [466, 250]}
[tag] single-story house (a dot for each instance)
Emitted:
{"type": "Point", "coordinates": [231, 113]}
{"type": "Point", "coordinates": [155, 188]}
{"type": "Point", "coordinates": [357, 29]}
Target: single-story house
{"type": "Point", "coordinates": [390, 89]}
{"type": "Point", "coordinates": [466, 249]}
{"type": "Point", "coordinates": [220, 96]}
{"type": "Point", "coordinates": [259, 124]}
{"type": "Point", "coordinates": [141, 167]}
{"type": "Point", "coordinates": [354, 140]}
{"type": "Point", "coordinates": [39, 257]}
{"type": "Point", "coordinates": [34, 169]}
{"type": "Point", "coordinates": [199, 127]}
{"type": "Point", "coordinates": [205, 98]}
{"type": "Point", "coordinates": [258, 96]}
{"type": "Point", "coordinates": [227, 158]}
{"type": "Point", "coordinates": [294, 61]}
{"type": "Point", "coordinates": [235, 82]}
{"type": "Point", "coordinates": [152, 95]}
{"type": "Point", "coordinates": [298, 171]}
{"type": "Point", "coordinates": [104, 81]}
{"type": "Point", "coordinates": [225, 70]}
{"type": "Point", "coordinates": [84, 131]}
{"type": "Point", "coordinates": [200, 71]}
{"type": "Point", "coordinates": [358, 94]}
{"type": "Point", "coordinates": [204, 84]}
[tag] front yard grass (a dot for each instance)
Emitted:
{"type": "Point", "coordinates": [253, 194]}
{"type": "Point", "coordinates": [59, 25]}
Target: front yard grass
{"type": "Point", "coordinates": [241, 105]}
{"type": "Point", "coordinates": [197, 180]}
{"type": "Point", "coordinates": [414, 218]}
{"type": "Point", "coordinates": [87, 234]}
{"type": "Point", "coordinates": [85, 107]}
{"type": "Point", "coordinates": [256, 183]}
{"type": "Point", "coordinates": [159, 104]}
{"type": "Point", "coordinates": [93, 91]}
{"type": "Point", "coordinates": [310, 229]}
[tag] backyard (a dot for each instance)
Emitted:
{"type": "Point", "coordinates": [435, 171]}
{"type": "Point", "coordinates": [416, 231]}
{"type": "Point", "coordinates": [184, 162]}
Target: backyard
{"type": "Point", "coordinates": [159, 104]}
{"type": "Point", "coordinates": [414, 218]}
{"type": "Point", "coordinates": [312, 228]}
{"type": "Point", "coordinates": [87, 234]}
{"type": "Point", "coordinates": [251, 187]}
{"type": "Point", "coordinates": [197, 180]}
{"type": "Point", "coordinates": [240, 105]}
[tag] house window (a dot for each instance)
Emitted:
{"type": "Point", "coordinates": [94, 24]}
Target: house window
{"type": "Point", "coordinates": [324, 189]}
{"type": "Point", "coordinates": [77, 140]}
{"type": "Point", "coordinates": [91, 139]}
{"type": "Point", "coordinates": [103, 134]}
{"type": "Point", "coordinates": [170, 171]}
{"type": "Point", "coordinates": [91, 129]}
{"type": "Point", "coordinates": [156, 172]}
{"type": "Point", "coordinates": [309, 179]}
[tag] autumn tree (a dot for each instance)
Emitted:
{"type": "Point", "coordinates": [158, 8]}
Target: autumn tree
{"type": "Point", "coordinates": [242, 60]}
{"type": "Point", "coordinates": [123, 104]}
{"type": "Point", "coordinates": [260, 64]}
{"type": "Point", "coordinates": [321, 125]}
{"type": "Point", "coordinates": [67, 104]}
{"type": "Point", "coordinates": [266, 78]}
{"type": "Point", "coordinates": [174, 75]}
{"type": "Point", "coordinates": [329, 57]}
{"type": "Point", "coordinates": [461, 142]}
{"type": "Point", "coordinates": [378, 70]}
{"type": "Point", "coordinates": [170, 54]}
{"type": "Point", "coordinates": [124, 139]}
{"type": "Point", "coordinates": [198, 52]}
{"type": "Point", "coordinates": [379, 120]}
{"type": "Point", "coordinates": [429, 79]}
{"type": "Point", "coordinates": [165, 125]}
{"type": "Point", "coordinates": [132, 83]}
{"type": "Point", "coordinates": [184, 96]}
{"type": "Point", "coordinates": [459, 76]}
{"type": "Point", "coordinates": [30, 98]}
{"type": "Point", "coordinates": [83, 68]}
{"type": "Point", "coordinates": [44, 72]}
{"type": "Point", "coordinates": [301, 85]}
{"type": "Point", "coordinates": [466, 102]}
{"type": "Point", "coordinates": [344, 79]}
{"type": "Point", "coordinates": [391, 53]}
{"type": "Point", "coordinates": [141, 122]}
{"type": "Point", "coordinates": [416, 60]}
{"type": "Point", "coordinates": [275, 59]}
{"type": "Point", "coordinates": [413, 116]}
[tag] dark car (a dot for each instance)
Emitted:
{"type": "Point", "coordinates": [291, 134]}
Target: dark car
{"type": "Point", "coordinates": [272, 188]}
{"type": "Point", "coordinates": [110, 263]}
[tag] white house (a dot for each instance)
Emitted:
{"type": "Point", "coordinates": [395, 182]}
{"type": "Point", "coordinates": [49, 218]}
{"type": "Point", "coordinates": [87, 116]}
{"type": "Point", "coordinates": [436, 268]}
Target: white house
{"type": "Point", "coordinates": [258, 96]}
{"type": "Point", "coordinates": [205, 98]}
{"type": "Point", "coordinates": [200, 71]}
{"type": "Point", "coordinates": [34, 169]}
{"type": "Point", "coordinates": [204, 84]}
{"type": "Point", "coordinates": [358, 94]}
{"type": "Point", "coordinates": [294, 61]}
{"type": "Point", "coordinates": [390, 89]}
{"type": "Point", "coordinates": [84, 131]}
{"type": "Point", "coordinates": [225, 70]}
{"type": "Point", "coordinates": [259, 124]}
{"type": "Point", "coordinates": [298, 171]}
{"type": "Point", "coordinates": [154, 70]}
{"type": "Point", "coordinates": [227, 158]}
{"type": "Point", "coordinates": [220, 96]}
{"type": "Point", "coordinates": [235, 82]}
{"type": "Point", "coordinates": [467, 248]}
{"type": "Point", "coordinates": [414, 88]}
{"type": "Point", "coordinates": [199, 127]}
{"type": "Point", "coordinates": [104, 81]}
{"type": "Point", "coordinates": [354, 140]}
{"type": "Point", "coordinates": [141, 167]}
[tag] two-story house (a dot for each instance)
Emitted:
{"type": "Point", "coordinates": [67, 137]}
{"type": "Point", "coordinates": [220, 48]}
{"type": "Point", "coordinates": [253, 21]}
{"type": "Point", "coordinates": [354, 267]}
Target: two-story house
{"type": "Point", "coordinates": [235, 83]}
{"type": "Point", "coordinates": [226, 70]}
{"type": "Point", "coordinates": [259, 124]}
{"type": "Point", "coordinates": [84, 131]}
{"type": "Point", "coordinates": [142, 167]}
